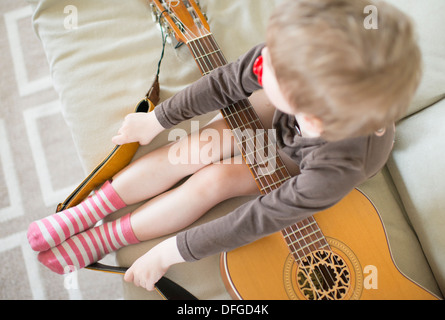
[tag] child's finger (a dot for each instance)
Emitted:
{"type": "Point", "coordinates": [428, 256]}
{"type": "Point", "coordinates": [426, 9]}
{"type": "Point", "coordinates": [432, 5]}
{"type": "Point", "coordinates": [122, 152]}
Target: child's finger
{"type": "Point", "coordinates": [129, 275]}
{"type": "Point", "coordinates": [119, 139]}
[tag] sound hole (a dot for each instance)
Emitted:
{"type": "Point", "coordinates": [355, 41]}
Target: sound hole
{"type": "Point", "coordinates": [323, 275]}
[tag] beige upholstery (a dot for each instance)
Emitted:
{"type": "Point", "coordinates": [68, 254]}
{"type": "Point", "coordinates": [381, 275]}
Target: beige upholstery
{"type": "Point", "coordinates": [428, 19]}
{"type": "Point", "coordinates": [417, 168]}
{"type": "Point", "coordinates": [102, 68]}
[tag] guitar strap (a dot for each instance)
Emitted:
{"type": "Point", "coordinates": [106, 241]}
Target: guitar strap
{"type": "Point", "coordinates": [116, 160]}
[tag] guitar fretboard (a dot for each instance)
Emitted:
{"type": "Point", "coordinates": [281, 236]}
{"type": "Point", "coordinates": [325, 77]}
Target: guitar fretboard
{"type": "Point", "coordinates": [258, 148]}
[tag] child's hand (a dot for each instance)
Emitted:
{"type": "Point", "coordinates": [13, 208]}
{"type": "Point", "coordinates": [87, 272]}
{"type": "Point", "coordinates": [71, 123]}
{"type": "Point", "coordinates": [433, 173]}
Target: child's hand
{"type": "Point", "coordinates": [138, 127]}
{"type": "Point", "coordinates": [149, 268]}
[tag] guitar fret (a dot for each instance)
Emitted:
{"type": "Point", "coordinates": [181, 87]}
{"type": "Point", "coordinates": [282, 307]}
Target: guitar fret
{"type": "Point", "coordinates": [269, 147]}
{"type": "Point", "coordinates": [298, 235]}
{"type": "Point", "coordinates": [251, 138]}
{"type": "Point", "coordinates": [311, 243]}
{"type": "Point", "coordinates": [208, 54]}
{"type": "Point", "coordinates": [305, 226]}
{"type": "Point", "coordinates": [206, 36]}
{"type": "Point", "coordinates": [281, 180]}
{"type": "Point", "coordinates": [234, 111]}
{"type": "Point", "coordinates": [326, 245]}
{"type": "Point", "coordinates": [276, 183]}
{"type": "Point", "coordinates": [247, 124]}
{"type": "Point", "coordinates": [203, 43]}
{"type": "Point", "coordinates": [206, 59]}
{"type": "Point", "coordinates": [303, 238]}
{"type": "Point", "coordinates": [293, 234]}
{"type": "Point", "coordinates": [270, 186]}
{"type": "Point", "coordinates": [305, 250]}
{"type": "Point", "coordinates": [258, 161]}
{"type": "Point", "coordinates": [308, 249]}
{"type": "Point", "coordinates": [236, 117]}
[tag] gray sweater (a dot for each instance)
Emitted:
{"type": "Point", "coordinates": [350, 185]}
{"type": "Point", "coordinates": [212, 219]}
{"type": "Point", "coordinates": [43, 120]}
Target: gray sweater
{"type": "Point", "coordinates": [328, 170]}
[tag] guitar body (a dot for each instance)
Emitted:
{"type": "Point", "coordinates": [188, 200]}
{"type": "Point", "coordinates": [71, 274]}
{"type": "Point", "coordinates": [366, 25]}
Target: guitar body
{"type": "Point", "coordinates": [359, 265]}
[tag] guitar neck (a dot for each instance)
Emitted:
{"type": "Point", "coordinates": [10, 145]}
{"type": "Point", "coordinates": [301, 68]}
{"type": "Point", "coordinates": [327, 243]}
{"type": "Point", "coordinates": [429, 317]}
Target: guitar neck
{"type": "Point", "coordinates": [207, 53]}
{"type": "Point", "coordinates": [256, 144]}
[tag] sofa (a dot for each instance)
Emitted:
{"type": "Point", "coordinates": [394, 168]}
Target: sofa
{"type": "Point", "coordinates": [103, 57]}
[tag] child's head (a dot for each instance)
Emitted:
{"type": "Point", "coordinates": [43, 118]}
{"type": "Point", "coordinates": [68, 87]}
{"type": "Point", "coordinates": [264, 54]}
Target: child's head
{"type": "Point", "coordinates": [355, 80]}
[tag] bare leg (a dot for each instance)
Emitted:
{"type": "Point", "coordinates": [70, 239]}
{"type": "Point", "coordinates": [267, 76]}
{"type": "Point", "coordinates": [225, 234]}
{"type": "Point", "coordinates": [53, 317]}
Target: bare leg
{"type": "Point", "coordinates": [173, 210]}
{"type": "Point", "coordinates": [154, 173]}
{"type": "Point", "coordinates": [170, 211]}
{"type": "Point", "coordinates": [180, 207]}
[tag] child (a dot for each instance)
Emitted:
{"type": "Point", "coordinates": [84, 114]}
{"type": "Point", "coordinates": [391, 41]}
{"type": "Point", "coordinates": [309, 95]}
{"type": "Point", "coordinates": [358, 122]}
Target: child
{"type": "Point", "coordinates": [337, 88]}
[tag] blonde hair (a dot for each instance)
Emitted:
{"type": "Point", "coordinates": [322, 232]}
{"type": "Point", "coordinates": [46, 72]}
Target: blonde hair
{"type": "Point", "coordinates": [356, 80]}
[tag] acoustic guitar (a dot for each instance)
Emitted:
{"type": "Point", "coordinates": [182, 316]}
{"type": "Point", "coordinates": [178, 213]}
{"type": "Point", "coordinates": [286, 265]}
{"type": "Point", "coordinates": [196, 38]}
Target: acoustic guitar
{"type": "Point", "coordinates": [340, 253]}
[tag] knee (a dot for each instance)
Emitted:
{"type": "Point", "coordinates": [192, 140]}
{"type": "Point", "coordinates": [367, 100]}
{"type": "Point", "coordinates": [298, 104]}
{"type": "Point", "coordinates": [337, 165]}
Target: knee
{"type": "Point", "coordinates": [205, 146]}
{"type": "Point", "coordinates": [224, 181]}
{"type": "Point", "coordinates": [209, 181]}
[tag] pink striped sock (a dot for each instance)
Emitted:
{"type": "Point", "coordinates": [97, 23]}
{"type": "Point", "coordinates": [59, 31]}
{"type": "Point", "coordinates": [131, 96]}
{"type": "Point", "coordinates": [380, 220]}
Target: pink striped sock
{"type": "Point", "coordinates": [90, 246]}
{"type": "Point", "coordinates": [53, 230]}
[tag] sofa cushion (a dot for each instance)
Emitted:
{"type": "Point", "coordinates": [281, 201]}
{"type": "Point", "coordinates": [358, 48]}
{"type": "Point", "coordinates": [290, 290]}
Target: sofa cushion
{"type": "Point", "coordinates": [417, 167]}
{"type": "Point", "coordinates": [404, 245]}
{"type": "Point", "coordinates": [102, 66]}
{"type": "Point", "coordinates": [428, 18]}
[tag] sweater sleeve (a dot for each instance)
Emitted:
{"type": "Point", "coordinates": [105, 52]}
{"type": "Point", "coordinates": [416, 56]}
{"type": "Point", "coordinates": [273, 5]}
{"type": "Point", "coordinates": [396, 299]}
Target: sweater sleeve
{"type": "Point", "coordinates": [315, 189]}
{"type": "Point", "coordinates": [220, 88]}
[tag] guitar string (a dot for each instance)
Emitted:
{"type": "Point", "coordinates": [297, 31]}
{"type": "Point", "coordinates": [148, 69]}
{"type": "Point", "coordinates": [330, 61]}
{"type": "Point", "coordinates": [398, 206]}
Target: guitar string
{"type": "Point", "coordinates": [248, 148]}
{"type": "Point", "coordinates": [312, 253]}
{"type": "Point", "coordinates": [250, 110]}
{"type": "Point", "coordinates": [202, 35]}
{"type": "Point", "coordinates": [210, 69]}
{"type": "Point", "coordinates": [296, 250]}
{"type": "Point", "coordinates": [308, 246]}
{"type": "Point", "coordinates": [242, 104]}
{"type": "Point", "coordinates": [312, 223]}
{"type": "Point", "coordinates": [193, 50]}
{"type": "Point", "coordinates": [224, 62]}
{"type": "Point", "coordinates": [205, 69]}
{"type": "Point", "coordinates": [336, 263]}
{"type": "Point", "coordinates": [291, 227]}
